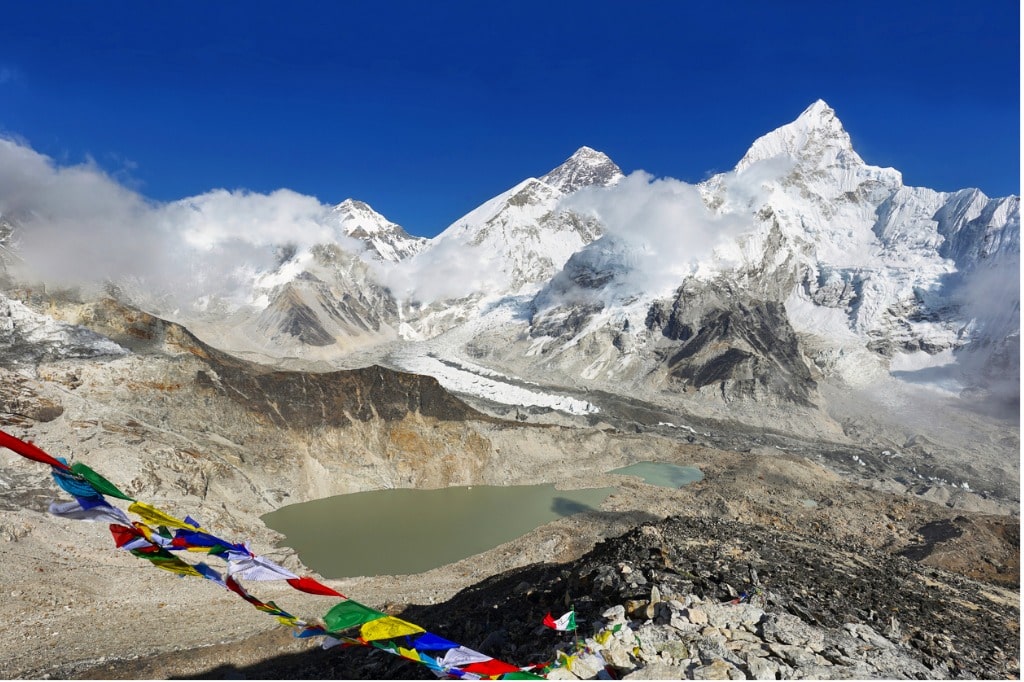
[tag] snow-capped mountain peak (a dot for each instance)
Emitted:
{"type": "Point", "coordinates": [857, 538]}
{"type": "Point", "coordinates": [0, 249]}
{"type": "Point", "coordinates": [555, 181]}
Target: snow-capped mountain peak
{"type": "Point", "coordinates": [359, 216]}
{"type": "Point", "coordinates": [388, 240]}
{"type": "Point", "coordinates": [585, 168]}
{"type": "Point", "coordinates": [816, 136]}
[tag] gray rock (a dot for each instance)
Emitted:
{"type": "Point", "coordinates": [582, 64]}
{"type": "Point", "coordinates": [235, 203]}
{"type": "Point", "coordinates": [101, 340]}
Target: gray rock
{"type": "Point", "coordinates": [663, 613]}
{"type": "Point", "coordinates": [618, 656]}
{"type": "Point", "coordinates": [656, 670]}
{"type": "Point", "coordinates": [615, 614]}
{"type": "Point", "coordinates": [762, 668]}
{"type": "Point", "coordinates": [682, 625]}
{"type": "Point", "coordinates": [677, 650]}
{"type": "Point", "coordinates": [894, 663]}
{"type": "Point", "coordinates": [696, 616]}
{"type": "Point", "coordinates": [788, 629]}
{"type": "Point", "coordinates": [652, 639]}
{"type": "Point", "coordinates": [741, 635]}
{"type": "Point", "coordinates": [733, 615]}
{"type": "Point", "coordinates": [865, 633]}
{"type": "Point", "coordinates": [796, 656]}
{"type": "Point", "coordinates": [587, 666]}
{"type": "Point", "coordinates": [718, 670]}
{"type": "Point", "coordinates": [710, 647]}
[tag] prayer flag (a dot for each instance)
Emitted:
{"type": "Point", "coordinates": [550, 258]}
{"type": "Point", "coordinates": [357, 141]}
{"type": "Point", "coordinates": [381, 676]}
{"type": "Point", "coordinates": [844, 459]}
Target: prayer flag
{"type": "Point", "coordinates": [461, 656]}
{"type": "Point", "coordinates": [211, 574]}
{"type": "Point", "coordinates": [310, 631]}
{"type": "Point", "coordinates": [102, 485]}
{"type": "Point", "coordinates": [128, 537]}
{"type": "Point", "coordinates": [163, 559]}
{"type": "Point", "coordinates": [157, 517]}
{"type": "Point", "coordinates": [90, 502]}
{"type": "Point", "coordinates": [256, 568]}
{"type": "Point", "coordinates": [29, 450]}
{"type": "Point", "coordinates": [491, 668]}
{"type": "Point", "coordinates": [565, 622]}
{"type": "Point", "coordinates": [431, 642]}
{"type": "Point", "coordinates": [154, 536]}
{"type": "Point", "coordinates": [103, 513]}
{"type": "Point", "coordinates": [197, 541]}
{"type": "Point", "coordinates": [348, 614]}
{"type": "Point", "coordinates": [74, 484]}
{"type": "Point", "coordinates": [313, 587]}
{"type": "Point", "coordinates": [388, 627]}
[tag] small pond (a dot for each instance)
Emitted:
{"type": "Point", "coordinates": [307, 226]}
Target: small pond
{"type": "Point", "coordinates": [402, 531]}
{"type": "Point", "coordinates": [662, 473]}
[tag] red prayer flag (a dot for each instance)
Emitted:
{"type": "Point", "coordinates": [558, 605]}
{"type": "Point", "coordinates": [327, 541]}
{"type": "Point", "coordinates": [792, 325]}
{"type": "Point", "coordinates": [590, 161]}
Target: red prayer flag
{"type": "Point", "coordinates": [314, 587]}
{"type": "Point", "coordinates": [123, 534]}
{"type": "Point", "coordinates": [489, 668]}
{"type": "Point", "coordinates": [30, 451]}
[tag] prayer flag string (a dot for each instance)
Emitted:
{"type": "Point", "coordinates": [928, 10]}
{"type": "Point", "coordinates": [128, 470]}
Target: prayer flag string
{"type": "Point", "coordinates": [151, 539]}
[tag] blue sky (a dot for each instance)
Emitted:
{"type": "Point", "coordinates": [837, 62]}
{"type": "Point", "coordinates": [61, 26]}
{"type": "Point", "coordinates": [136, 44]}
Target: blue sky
{"type": "Point", "coordinates": [424, 110]}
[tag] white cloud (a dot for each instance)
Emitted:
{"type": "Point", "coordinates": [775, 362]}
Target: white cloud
{"type": "Point", "coordinates": [78, 226]}
{"type": "Point", "coordinates": [221, 217]}
{"type": "Point", "coordinates": [445, 271]}
{"type": "Point", "coordinates": [663, 224]}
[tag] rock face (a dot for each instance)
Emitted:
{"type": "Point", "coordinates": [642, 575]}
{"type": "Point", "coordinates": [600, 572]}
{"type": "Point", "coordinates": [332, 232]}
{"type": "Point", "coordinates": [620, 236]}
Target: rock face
{"type": "Point", "coordinates": [335, 301]}
{"type": "Point", "coordinates": [27, 337]}
{"type": "Point", "coordinates": [735, 345]}
{"type": "Point", "coordinates": [585, 168]}
{"type": "Point", "coordinates": [301, 400]}
{"type": "Point", "coordinates": [704, 599]}
{"type": "Point", "coordinates": [295, 400]}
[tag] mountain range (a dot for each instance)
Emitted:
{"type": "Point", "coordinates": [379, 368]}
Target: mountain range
{"type": "Point", "coordinates": [837, 352]}
{"type": "Point", "coordinates": [803, 263]}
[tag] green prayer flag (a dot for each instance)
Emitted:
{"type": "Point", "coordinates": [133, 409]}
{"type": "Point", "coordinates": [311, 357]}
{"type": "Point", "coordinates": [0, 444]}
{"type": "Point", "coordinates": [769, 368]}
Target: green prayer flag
{"type": "Point", "coordinates": [350, 613]}
{"type": "Point", "coordinates": [101, 484]}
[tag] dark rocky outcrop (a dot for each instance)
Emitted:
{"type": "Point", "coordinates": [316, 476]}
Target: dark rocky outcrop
{"type": "Point", "coordinates": [726, 339]}
{"type": "Point", "coordinates": [287, 399]}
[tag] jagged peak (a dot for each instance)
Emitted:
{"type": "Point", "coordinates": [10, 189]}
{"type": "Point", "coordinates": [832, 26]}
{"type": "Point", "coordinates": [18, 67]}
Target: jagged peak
{"type": "Point", "coordinates": [351, 206]}
{"type": "Point", "coordinates": [586, 152]}
{"type": "Point", "coordinates": [584, 168]}
{"type": "Point", "coordinates": [816, 134]}
{"type": "Point", "coordinates": [359, 216]}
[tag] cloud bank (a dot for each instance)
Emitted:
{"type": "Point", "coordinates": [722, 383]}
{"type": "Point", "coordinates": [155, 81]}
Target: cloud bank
{"type": "Point", "coordinates": [78, 226]}
{"type": "Point", "coordinates": [662, 225]}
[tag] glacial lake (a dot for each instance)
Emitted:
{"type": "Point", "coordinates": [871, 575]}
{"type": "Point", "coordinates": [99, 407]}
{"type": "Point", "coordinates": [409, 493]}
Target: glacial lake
{"type": "Point", "coordinates": [401, 531]}
{"type": "Point", "coordinates": [662, 473]}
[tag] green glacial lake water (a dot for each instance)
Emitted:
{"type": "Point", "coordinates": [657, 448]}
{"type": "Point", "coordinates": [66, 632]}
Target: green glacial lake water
{"type": "Point", "coordinates": [662, 474]}
{"type": "Point", "coordinates": [401, 531]}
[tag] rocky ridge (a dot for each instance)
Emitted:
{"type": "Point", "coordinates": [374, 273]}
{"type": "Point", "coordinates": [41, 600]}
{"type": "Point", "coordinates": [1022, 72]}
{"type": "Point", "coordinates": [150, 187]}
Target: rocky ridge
{"type": "Point", "coordinates": [699, 598]}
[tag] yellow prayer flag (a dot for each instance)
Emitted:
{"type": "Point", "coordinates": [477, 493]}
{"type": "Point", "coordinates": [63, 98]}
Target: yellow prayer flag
{"type": "Point", "coordinates": [159, 518]}
{"type": "Point", "coordinates": [177, 566]}
{"type": "Point", "coordinates": [388, 627]}
{"type": "Point", "coordinates": [411, 654]}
